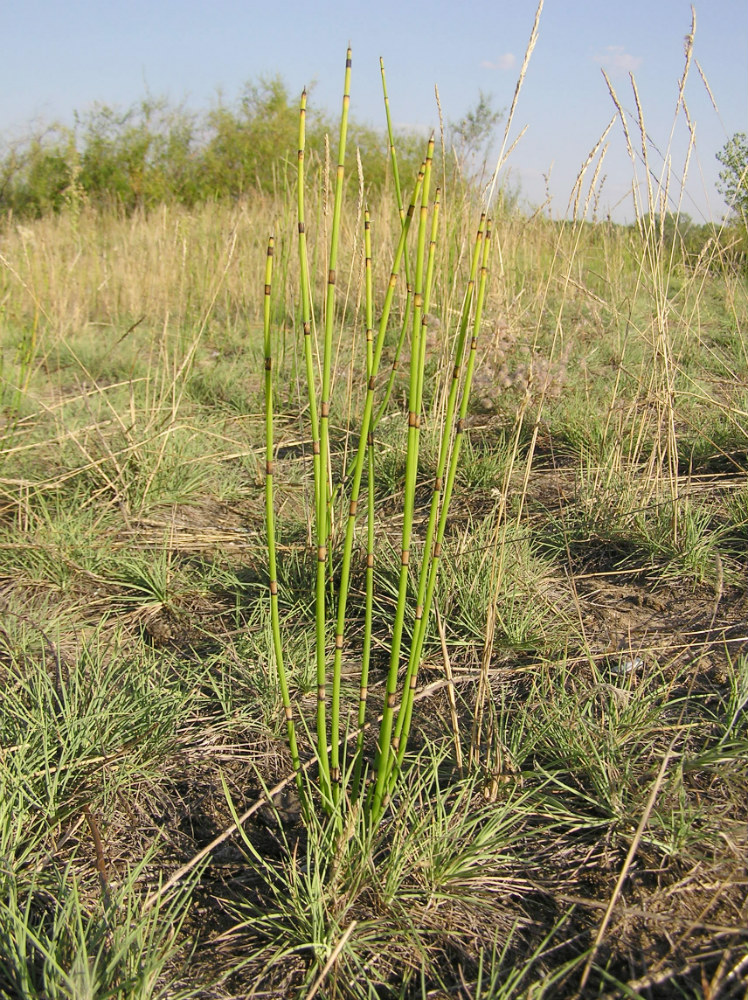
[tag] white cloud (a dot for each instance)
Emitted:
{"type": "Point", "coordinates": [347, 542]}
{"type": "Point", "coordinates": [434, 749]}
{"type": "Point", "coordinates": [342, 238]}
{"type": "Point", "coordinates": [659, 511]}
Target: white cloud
{"type": "Point", "coordinates": [617, 59]}
{"type": "Point", "coordinates": [505, 62]}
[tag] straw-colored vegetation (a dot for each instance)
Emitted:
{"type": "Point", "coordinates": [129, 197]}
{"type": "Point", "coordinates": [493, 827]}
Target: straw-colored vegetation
{"type": "Point", "coordinates": [560, 806]}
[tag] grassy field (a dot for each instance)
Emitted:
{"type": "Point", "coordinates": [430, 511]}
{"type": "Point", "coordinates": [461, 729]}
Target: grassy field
{"type": "Point", "coordinates": [572, 816]}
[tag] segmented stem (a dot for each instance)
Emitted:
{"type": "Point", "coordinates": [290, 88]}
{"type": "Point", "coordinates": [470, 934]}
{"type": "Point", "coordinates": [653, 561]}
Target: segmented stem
{"type": "Point", "coordinates": [376, 355]}
{"type": "Point", "coordinates": [306, 307]}
{"type": "Point", "coordinates": [425, 600]}
{"type": "Point", "coordinates": [369, 598]}
{"type": "Point", "coordinates": [270, 517]}
{"type": "Point", "coordinates": [382, 762]}
{"type": "Point", "coordinates": [329, 769]}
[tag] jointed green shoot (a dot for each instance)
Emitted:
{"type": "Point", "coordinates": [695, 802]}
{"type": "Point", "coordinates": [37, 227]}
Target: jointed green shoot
{"type": "Point", "coordinates": [430, 566]}
{"type": "Point", "coordinates": [270, 516]}
{"type": "Point", "coordinates": [381, 762]}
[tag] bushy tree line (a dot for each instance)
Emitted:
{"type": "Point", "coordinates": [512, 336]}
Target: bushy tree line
{"type": "Point", "coordinates": [733, 178]}
{"type": "Point", "coordinates": [717, 245]}
{"type": "Point", "coordinates": [733, 186]}
{"type": "Point", "coordinates": [156, 152]}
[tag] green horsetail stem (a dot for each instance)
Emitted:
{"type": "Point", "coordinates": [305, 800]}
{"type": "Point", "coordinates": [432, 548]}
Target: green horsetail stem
{"type": "Point", "coordinates": [395, 360]}
{"type": "Point", "coordinates": [393, 160]}
{"type": "Point", "coordinates": [400, 252]}
{"type": "Point", "coordinates": [410, 676]}
{"type": "Point", "coordinates": [403, 331]}
{"type": "Point", "coordinates": [410, 673]}
{"type": "Point", "coordinates": [306, 319]}
{"type": "Point", "coordinates": [368, 296]}
{"type": "Point", "coordinates": [391, 140]}
{"type": "Point", "coordinates": [427, 289]}
{"type": "Point", "coordinates": [306, 306]}
{"type": "Point", "coordinates": [444, 448]}
{"type": "Point", "coordinates": [270, 518]}
{"type": "Point", "coordinates": [420, 633]}
{"type": "Point", "coordinates": [381, 764]}
{"type": "Point", "coordinates": [369, 599]}
{"type": "Point", "coordinates": [366, 422]}
{"type": "Point", "coordinates": [430, 566]}
{"type": "Point", "coordinates": [369, 596]}
{"type": "Point", "coordinates": [406, 319]}
{"type": "Point", "coordinates": [408, 285]}
{"type": "Point", "coordinates": [322, 506]}
{"type": "Point", "coordinates": [400, 256]}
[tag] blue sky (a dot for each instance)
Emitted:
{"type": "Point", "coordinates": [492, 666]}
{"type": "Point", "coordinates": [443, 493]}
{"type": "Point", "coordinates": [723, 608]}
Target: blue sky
{"type": "Point", "coordinates": [59, 57]}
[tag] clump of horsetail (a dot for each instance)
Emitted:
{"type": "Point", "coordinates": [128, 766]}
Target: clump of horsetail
{"type": "Point", "coordinates": [342, 775]}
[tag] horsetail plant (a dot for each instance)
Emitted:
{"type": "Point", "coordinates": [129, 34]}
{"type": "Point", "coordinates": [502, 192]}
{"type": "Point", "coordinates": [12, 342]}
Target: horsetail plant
{"type": "Point", "coordinates": [408, 284]}
{"type": "Point", "coordinates": [270, 517]}
{"type": "Point", "coordinates": [415, 391]}
{"type": "Point", "coordinates": [342, 775]}
{"type": "Point", "coordinates": [429, 569]}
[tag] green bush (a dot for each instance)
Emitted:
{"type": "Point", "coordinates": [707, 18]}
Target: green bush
{"type": "Point", "coordinates": [154, 152]}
